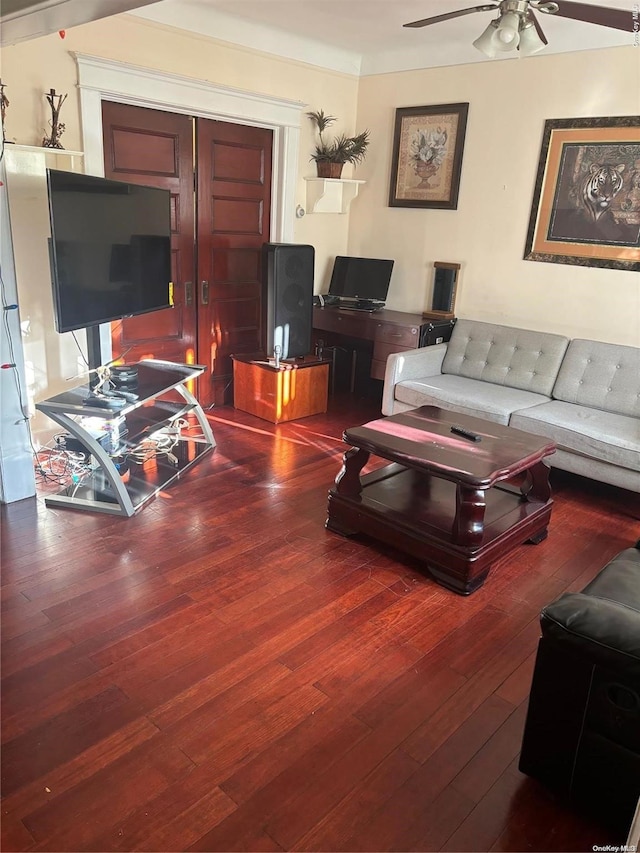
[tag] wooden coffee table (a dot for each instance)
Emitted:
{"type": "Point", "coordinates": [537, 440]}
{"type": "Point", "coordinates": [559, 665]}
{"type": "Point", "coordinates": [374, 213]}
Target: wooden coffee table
{"type": "Point", "coordinates": [444, 498]}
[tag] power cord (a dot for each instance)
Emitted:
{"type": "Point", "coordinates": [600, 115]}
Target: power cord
{"type": "Point", "coordinates": [161, 443]}
{"type": "Point", "coordinates": [57, 465]}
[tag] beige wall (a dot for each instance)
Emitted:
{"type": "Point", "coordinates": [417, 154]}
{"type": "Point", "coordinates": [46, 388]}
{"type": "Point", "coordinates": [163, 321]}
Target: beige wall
{"type": "Point", "coordinates": [509, 102]}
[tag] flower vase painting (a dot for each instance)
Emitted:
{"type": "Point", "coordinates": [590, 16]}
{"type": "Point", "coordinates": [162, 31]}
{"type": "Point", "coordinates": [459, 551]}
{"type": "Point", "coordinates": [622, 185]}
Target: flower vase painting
{"type": "Point", "coordinates": [427, 156]}
{"type": "Point", "coordinates": [428, 151]}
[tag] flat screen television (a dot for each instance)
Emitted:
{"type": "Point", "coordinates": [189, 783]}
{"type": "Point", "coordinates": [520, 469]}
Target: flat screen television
{"type": "Point", "coordinates": [360, 280]}
{"type": "Point", "coordinates": [110, 249]}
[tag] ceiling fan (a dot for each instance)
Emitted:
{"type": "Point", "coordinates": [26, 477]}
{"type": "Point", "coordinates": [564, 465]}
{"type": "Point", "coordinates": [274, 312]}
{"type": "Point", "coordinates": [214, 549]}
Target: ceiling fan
{"type": "Point", "coordinates": [517, 27]}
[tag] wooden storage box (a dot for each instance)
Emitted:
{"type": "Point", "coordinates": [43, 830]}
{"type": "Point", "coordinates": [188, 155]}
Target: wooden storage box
{"type": "Point", "coordinates": [291, 391]}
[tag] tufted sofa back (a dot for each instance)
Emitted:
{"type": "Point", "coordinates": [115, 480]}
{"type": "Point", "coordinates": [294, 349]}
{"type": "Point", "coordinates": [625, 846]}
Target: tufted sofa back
{"type": "Point", "coordinates": [518, 358]}
{"type": "Point", "coordinates": [602, 376]}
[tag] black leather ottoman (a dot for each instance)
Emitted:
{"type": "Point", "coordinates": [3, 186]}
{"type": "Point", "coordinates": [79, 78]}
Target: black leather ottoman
{"type": "Point", "coordinates": [582, 734]}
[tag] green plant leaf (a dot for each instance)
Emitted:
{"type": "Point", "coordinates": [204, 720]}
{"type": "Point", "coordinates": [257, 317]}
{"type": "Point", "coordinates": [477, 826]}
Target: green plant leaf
{"type": "Point", "coordinates": [321, 121]}
{"type": "Point", "coordinates": [343, 149]}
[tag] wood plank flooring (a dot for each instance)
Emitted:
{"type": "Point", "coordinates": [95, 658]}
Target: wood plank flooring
{"type": "Point", "coordinates": [221, 673]}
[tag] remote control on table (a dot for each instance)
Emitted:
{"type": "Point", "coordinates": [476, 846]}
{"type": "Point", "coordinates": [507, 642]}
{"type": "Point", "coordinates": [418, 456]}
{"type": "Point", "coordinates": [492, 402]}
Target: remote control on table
{"type": "Point", "coordinates": [129, 396]}
{"type": "Point", "coordinates": [105, 402]}
{"type": "Point", "coordinates": [466, 433]}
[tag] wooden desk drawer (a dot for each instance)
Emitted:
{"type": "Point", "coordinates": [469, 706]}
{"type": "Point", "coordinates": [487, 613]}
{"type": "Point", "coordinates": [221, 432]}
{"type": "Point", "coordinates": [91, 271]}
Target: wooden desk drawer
{"type": "Point", "coordinates": [378, 368]}
{"type": "Point", "coordinates": [380, 354]}
{"type": "Point", "coordinates": [383, 351]}
{"type": "Point", "coordinates": [350, 324]}
{"type": "Point", "coordinates": [402, 336]}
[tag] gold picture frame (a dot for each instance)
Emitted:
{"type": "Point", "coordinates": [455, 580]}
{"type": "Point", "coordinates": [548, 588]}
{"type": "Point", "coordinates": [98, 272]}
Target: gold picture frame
{"type": "Point", "coordinates": [586, 202]}
{"type": "Point", "coordinates": [427, 156]}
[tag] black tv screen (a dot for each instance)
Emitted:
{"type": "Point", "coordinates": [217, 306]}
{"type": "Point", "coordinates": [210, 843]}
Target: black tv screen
{"type": "Point", "coordinates": [361, 278]}
{"type": "Point", "coordinates": [110, 249]}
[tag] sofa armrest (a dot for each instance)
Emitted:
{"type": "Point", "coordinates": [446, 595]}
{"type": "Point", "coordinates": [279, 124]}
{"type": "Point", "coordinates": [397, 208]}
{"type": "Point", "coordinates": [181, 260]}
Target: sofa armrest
{"type": "Point", "coordinates": [410, 364]}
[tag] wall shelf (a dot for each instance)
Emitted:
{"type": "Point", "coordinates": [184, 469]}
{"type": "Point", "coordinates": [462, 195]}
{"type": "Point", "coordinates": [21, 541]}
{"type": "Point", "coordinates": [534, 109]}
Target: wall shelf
{"type": "Point", "coordinates": [46, 152]}
{"type": "Point", "coordinates": [18, 147]}
{"type": "Point", "coordinates": [331, 195]}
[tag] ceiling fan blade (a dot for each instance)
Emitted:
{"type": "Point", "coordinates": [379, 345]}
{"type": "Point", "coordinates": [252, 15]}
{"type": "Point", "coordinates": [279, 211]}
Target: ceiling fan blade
{"type": "Point", "coordinates": [536, 24]}
{"type": "Point", "coordinates": [617, 19]}
{"type": "Point", "coordinates": [488, 7]}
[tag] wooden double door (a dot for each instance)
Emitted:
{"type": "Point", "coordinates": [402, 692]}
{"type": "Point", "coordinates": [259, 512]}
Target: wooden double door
{"type": "Point", "coordinates": [219, 176]}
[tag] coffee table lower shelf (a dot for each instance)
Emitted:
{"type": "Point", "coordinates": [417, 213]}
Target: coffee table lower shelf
{"type": "Point", "coordinates": [415, 513]}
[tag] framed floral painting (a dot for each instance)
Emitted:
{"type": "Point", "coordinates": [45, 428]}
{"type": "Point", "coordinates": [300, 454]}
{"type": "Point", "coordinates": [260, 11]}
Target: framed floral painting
{"type": "Point", "coordinates": [427, 156]}
{"type": "Point", "coordinates": [586, 204]}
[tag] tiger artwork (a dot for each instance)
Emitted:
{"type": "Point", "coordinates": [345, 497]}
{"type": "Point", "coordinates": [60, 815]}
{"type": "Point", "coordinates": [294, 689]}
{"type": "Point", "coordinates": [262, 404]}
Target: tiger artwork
{"type": "Point", "coordinates": [600, 187]}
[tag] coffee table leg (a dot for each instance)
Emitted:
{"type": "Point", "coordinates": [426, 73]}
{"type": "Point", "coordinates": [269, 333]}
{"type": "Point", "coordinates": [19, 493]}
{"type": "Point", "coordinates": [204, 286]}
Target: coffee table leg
{"type": "Point", "coordinates": [348, 480]}
{"type": "Point", "coordinates": [468, 525]}
{"type": "Point", "coordinates": [536, 486]}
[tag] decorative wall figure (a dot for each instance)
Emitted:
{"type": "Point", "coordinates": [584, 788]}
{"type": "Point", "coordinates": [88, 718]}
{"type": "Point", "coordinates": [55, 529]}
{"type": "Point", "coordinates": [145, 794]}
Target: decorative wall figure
{"type": "Point", "coordinates": [57, 127]}
{"type": "Point", "coordinates": [4, 103]}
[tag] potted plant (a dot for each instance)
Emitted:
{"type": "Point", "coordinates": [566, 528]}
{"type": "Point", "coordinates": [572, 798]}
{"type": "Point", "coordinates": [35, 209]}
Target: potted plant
{"type": "Point", "coordinates": [330, 157]}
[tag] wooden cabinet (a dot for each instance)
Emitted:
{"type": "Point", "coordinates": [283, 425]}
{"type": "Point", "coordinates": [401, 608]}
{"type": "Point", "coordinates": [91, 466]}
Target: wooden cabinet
{"type": "Point", "coordinates": [294, 389]}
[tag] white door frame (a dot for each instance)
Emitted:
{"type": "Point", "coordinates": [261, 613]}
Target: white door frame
{"type": "Point", "coordinates": [106, 79]}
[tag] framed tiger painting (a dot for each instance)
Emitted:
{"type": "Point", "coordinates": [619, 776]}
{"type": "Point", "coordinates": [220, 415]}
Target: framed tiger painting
{"type": "Point", "coordinates": [586, 203]}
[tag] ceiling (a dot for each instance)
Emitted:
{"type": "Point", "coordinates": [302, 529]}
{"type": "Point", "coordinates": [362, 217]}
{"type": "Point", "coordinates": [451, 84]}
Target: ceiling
{"type": "Point", "coordinates": [358, 37]}
{"type": "Point", "coordinates": [27, 19]}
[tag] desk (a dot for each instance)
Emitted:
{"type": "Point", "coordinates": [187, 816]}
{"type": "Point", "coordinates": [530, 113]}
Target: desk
{"type": "Point", "coordinates": [375, 335]}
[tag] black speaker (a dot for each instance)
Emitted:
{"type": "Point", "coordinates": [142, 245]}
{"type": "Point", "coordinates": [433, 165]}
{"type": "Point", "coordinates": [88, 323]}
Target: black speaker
{"type": "Point", "coordinates": [287, 298]}
{"type": "Point", "coordinates": [445, 283]}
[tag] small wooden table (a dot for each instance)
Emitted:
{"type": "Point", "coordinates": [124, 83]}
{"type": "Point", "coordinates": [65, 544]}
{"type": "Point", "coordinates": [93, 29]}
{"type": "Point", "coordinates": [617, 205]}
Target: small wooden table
{"type": "Point", "coordinates": [440, 500]}
{"type": "Point", "coordinates": [295, 389]}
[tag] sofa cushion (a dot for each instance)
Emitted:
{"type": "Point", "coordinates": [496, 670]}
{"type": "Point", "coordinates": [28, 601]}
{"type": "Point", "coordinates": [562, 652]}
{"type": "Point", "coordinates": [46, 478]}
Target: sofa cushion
{"type": "Point", "coordinates": [603, 621]}
{"type": "Point", "coordinates": [604, 376]}
{"type": "Point", "coordinates": [517, 358]}
{"type": "Point", "coordinates": [591, 432]}
{"type": "Point", "coordinates": [467, 396]}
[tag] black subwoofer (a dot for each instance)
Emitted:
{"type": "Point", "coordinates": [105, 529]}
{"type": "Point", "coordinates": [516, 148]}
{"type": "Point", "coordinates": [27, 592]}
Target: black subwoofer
{"type": "Point", "coordinates": [287, 298]}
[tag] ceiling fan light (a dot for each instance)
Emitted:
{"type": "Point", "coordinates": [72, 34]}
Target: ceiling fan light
{"type": "Point", "coordinates": [530, 41]}
{"type": "Point", "coordinates": [485, 43]}
{"type": "Point", "coordinates": [507, 35]}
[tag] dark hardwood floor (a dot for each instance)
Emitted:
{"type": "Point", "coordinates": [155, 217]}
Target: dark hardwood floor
{"type": "Point", "coordinates": [221, 673]}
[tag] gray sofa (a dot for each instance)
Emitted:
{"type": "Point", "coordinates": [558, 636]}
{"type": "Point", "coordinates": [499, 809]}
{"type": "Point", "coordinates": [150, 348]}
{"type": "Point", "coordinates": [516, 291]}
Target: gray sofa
{"type": "Point", "coordinates": [584, 395]}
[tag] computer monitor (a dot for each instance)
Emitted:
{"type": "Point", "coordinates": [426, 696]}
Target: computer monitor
{"type": "Point", "coordinates": [361, 280]}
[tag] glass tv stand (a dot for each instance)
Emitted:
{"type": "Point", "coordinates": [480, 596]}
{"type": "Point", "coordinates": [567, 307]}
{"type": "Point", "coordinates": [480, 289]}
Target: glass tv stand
{"type": "Point", "coordinates": [109, 436]}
